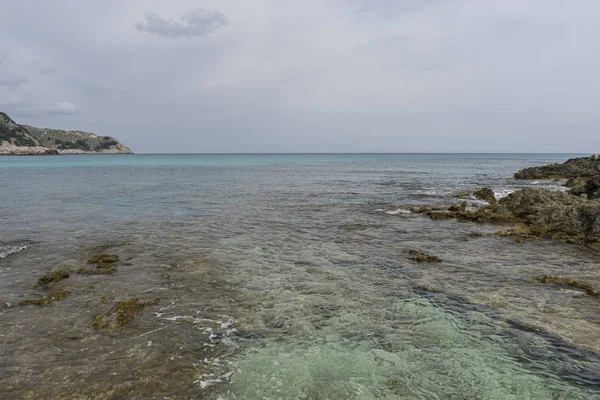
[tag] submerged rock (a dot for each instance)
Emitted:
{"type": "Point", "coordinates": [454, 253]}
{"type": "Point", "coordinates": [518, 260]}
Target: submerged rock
{"type": "Point", "coordinates": [568, 282]}
{"type": "Point", "coordinates": [421, 257]}
{"type": "Point", "coordinates": [121, 314]}
{"type": "Point", "coordinates": [55, 276]}
{"type": "Point", "coordinates": [56, 294]}
{"type": "Point", "coordinates": [104, 259]}
{"type": "Point", "coordinates": [98, 271]}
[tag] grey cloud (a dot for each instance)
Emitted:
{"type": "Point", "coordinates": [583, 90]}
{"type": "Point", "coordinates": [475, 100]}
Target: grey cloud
{"type": "Point", "coordinates": [13, 82]}
{"type": "Point", "coordinates": [403, 75]}
{"type": "Point", "coordinates": [44, 69]}
{"type": "Point", "coordinates": [196, 22]}
{"type": "Point", "coordinates": [62, 108]}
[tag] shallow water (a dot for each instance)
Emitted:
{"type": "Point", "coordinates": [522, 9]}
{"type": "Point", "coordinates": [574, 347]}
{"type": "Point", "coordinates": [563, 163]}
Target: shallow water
{"type": "Point", "coordinates": [285, 276]}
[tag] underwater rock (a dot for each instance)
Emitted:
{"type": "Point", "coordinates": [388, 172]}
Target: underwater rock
{"type": "Point", "coordinates": [44, 301]}
{"type": "Point", "coordinates": [56, 294]}
{"type": "Point", "coordinates": [485, 194]}
{"type": "Point", "coordinates": [106, 264]}
{"type": "Point", "coordinates": [568, 282]}
{"type": "Point", "coordinates": [55, 276]}
{"type": "Point", "coordinates": [102, 259]}
{"type": "Point", "coordinates": [99, 271]}
{"type": "Point", "coordinates": [276, 323]}
{"type": "Point", "coordinates": [121, 314]}
{"type": "Point", "coordinates": [421, 257]}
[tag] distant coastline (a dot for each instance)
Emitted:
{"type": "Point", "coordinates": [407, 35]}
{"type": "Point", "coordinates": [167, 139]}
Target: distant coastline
{"type": "Point", "coordinates": [25, 140]}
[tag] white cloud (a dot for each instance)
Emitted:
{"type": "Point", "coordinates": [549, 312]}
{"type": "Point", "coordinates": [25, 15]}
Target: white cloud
{"type": "Point", "coordinates": [196, 22]}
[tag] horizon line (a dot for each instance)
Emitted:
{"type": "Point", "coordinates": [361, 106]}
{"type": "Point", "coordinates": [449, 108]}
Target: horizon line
{"type": "Point", "coordinates": [342, 153]}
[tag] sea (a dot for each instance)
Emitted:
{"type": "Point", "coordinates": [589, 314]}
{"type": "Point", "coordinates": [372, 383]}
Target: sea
{"type": "Point", "coordinates": [285, 276]}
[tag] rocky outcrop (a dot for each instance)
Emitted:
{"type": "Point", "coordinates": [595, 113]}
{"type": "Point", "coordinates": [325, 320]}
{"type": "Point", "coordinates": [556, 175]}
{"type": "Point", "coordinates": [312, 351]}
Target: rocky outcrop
{"type": "Point", "coordinates": [584, 167]}
{"type": "Point", "coordinates": [582, 174]}
{"type": "Point", "coordinates": [588, 187]}
{"type": "Point", "coordinates": [485, 194]}
{"type": "Point", "coordinates": [536, 213]}
{"type": "Point", "coordinates": [18, 139]}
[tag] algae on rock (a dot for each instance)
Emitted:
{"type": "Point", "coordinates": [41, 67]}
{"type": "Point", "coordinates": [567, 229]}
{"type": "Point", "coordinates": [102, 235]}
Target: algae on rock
{"type": "Point", "coordinates": [421, 257]}
{"type": "Point", "coordinates": [55, 276]}
{"type": "Point", "coordinates": [121, 314]}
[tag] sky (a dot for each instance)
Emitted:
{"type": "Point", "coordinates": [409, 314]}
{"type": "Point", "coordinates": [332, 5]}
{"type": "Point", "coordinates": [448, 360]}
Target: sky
{"type": "Point", "coordinates": [227, 76]}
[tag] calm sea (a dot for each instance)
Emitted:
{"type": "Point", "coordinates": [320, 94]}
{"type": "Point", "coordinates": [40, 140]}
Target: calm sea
{"type": "Point", "coordinates": [285, 276]}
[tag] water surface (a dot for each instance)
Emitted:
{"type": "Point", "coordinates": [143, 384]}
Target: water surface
{"type": "Point", "coordinates": [285, 276]}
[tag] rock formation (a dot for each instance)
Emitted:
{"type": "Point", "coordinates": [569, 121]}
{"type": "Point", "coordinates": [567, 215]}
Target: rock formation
{"type": "Point", "coordinates": [18, 139]}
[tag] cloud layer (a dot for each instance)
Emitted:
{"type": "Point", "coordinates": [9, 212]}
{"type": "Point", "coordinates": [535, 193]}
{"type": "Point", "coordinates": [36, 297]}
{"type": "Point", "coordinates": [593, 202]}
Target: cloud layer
{"type": "Point", "coordinates": [335, 76]}
{"type": "Point", "coordinates": [196, 22]}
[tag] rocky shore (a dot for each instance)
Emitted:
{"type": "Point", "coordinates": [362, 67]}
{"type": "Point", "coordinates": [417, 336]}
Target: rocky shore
{"type": "Point", "coordinates": [573, 216]}
{"type": "Point", "coordinates": [25, 140]}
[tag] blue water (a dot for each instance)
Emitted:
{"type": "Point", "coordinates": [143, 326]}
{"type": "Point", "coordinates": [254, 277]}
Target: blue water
{"type": "Point", "coordinates": [317, 243]}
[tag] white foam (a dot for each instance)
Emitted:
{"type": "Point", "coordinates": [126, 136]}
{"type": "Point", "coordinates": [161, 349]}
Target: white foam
{"type": "Point", "coordinates": [7, 250]}
{"type": "Point", "coordinates": [394, 212]}
{"type": "Point", "coordinates": [398, 211]}
{"type": "Point", "coordinates": [502, 193]}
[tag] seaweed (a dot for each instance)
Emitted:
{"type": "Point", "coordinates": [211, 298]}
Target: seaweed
{"type": "Point", "coordinates": [56, 294]}
{"type": "Point", "coordinates": [55, 276]}
{"type": "Point", "coordinates": [421, 257]}
{"type": "Point", "coordinates": [121, 314]}
{"type": "Point", "coordinates": [44, 301]}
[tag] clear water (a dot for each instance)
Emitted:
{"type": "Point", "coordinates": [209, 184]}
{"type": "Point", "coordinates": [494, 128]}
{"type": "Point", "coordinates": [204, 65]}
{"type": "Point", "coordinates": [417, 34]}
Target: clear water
{"type": "Point", "coordinates": [285, 277]}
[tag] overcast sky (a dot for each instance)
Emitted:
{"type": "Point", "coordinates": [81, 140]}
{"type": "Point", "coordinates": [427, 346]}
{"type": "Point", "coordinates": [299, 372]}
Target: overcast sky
{"type": "Point", "coordinates": [308, 76]}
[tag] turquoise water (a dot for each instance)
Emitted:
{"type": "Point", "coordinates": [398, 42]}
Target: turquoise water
{"type": "Point", "coordinates": [285, 276]}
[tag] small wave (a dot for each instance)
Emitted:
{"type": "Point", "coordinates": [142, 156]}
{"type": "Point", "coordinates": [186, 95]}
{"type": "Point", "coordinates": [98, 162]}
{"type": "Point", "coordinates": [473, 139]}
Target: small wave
{"type": "Point", "coordinates": [8, 249]}
{"type": "Point", "coordinates": [394, 212]}
{"type": "Point", "coordinates": [398, 211]}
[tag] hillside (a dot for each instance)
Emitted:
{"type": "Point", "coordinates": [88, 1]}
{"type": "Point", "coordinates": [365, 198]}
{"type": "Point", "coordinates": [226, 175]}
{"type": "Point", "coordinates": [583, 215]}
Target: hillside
{"type": "Point", "coordinates": [18, 139]}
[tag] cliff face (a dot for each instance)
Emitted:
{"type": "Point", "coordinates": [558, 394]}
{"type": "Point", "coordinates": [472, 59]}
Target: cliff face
{"type": "Point", "coordinates": [18, 139]}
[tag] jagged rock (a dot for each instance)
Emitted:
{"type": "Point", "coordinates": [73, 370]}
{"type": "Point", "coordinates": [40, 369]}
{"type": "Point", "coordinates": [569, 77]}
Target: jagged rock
{"type": "Point", "coordinates": [540, 213]}
{"type": "Point", "coordinates": [485, 194]}
{"type": "Point", "coordinates": [589, 187]}
{"type": "Point", "coordinates": [573, 168]}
